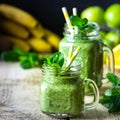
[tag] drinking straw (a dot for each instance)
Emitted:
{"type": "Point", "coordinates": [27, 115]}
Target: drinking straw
{"type": "Point", "coordinates": [74, 11]}
{"type": "Point", "coordinates": [73, 55]}
{"type": "Point", "coordinates": [66, 15]}
{"type": "Point", "coordinates": [70, 52]}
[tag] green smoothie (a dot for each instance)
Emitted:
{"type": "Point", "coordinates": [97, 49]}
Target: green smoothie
{"type": "Point", "coordinates": [62, 95]}
{"type": "Point", "coordinates": [62, 90]}
{"type": "Point", "coordinates": [90, 56]}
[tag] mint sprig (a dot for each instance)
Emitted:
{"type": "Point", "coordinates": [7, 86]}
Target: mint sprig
{"type": "Point", "coordinates": [111, 98]}
{"type": "Point", "coordinates": [72, 55]}
{"type": "Point", "coordinates": [113, 79]}
{"type": "Point", "coordinates": [84, 27]}
{"type": "Point", "coordinates": [79, 22]}
{"type": "Point", "coordinates": [56, 58]}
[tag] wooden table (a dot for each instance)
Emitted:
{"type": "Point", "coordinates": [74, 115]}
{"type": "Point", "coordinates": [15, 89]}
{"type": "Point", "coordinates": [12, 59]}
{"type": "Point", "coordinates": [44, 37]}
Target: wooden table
{"type": "Point", "coordinates": [19, 96]}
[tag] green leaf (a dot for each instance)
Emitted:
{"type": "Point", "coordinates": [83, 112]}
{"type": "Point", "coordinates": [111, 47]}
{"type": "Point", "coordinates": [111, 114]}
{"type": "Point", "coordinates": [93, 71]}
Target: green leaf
{"type": "Point", "coordinates": [13, 55]}
{"type": "Point", "coordinates": [22, 58]}
{"type": "Point", "coordinates": [79, 22]}
{"type": "Point", "coordinates": [33, 59]}
{"type": "Point", "coordinates": [56, 58]}
{"type": "Point", "coordinates": [27, 59]}
{"type": "Point", "coordinates": [48, 60]}
{"type": "Point", "coordinates": [25, 64]}
{"type": "Point", "coordinates": [19, 51]}
{"type": "Point", "coordinates": [114, 79]}
{"type": "Point", "coordinates": [111, 102]}
{"type": "Point", "coordinates": [111, 98]}
{"type": "Point", "coordinates": [9, 56]}
{"type": "Point", "coordinates": [115, 91]}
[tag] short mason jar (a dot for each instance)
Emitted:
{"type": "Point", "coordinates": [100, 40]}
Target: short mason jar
{"type": "Point", "coordinates": [91, 53]}
{"type": "Point", "coordinates": [62, 93]}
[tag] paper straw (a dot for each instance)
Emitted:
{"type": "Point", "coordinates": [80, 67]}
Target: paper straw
{"type": "Point", "coordinates": [66, 15]}
{"type": "Point", "coordinates": [70, 52]}
{"type": "Point", "coordinates": [74, 11]}
{"type": "Point", "coordinates": [74, 54]}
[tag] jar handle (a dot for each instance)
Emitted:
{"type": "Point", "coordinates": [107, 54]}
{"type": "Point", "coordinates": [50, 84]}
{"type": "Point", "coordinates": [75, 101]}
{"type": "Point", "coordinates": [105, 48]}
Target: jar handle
{"type": "Point", "coordinates": [109, 51]}
{"type": "Point", "coordinates": [95, 94]}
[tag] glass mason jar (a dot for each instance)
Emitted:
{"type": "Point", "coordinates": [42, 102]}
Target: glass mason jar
{"type": "Point", "coordinates": [90, 55]}
{"type": "Point", "coordinates": [62, 94]}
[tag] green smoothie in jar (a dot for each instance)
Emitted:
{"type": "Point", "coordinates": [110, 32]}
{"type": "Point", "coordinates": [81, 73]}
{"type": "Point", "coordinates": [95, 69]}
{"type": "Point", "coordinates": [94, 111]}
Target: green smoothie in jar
{"type": "Point", "coordinates": [86, 35]}
{"type": "Point", "coordinates": [62, 90]}
{"type": "Point", "coordinates": [90, 56]}
{"type": "Point", "coordinates": [60, 94]}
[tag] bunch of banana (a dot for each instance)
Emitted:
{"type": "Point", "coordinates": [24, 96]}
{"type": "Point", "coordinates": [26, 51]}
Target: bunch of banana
{"type": "Point", "coordinates": [22, 29]}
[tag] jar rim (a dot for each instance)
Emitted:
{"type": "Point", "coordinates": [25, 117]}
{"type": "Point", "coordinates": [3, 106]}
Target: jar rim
{"type": "Point", "coordinates": [74, 31]}
{"type": "Point", "coordinates": [72, 70]}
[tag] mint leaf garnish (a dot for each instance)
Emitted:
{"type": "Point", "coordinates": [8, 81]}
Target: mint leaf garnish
{"type": "Point", "coordinates": [112, 103]}
{"type": "Point", "coordinates": [79, 22]}
{"type": "Point", "coordinates": [115, 80]}
{"type": "Point", "coordinates": [56, 58]}
{"type": "Point", "coordinates": [84, 27]}
{"type": "Point", "coordinates": [111, 98]}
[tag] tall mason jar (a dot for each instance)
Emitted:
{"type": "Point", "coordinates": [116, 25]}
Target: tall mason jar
{"type": "Point", "coordinates": [91, 53]}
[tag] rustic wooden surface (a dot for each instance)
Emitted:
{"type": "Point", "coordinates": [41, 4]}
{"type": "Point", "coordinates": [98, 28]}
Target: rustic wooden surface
{"type": "Point", "coordinates": [19, 96]}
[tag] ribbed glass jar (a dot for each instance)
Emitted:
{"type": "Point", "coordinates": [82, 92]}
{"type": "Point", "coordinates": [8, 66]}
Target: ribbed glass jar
{"type": "Point", "coordinates": [62, 93]}
{"type": "Point", "coordinates": [90, 56]}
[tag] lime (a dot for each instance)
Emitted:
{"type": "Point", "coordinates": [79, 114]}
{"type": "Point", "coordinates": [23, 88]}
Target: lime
{"type": "Point", "coordinates": [112, 38]}
{"type": "Point", "coordinates": [112, 16]}
{"type": "Point", "coordinates": [93, 14]}
{"type": "Point", "coordinates": [102, 34]}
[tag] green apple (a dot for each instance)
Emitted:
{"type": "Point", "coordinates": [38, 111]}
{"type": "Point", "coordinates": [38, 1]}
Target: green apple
{"type": "Point", "coordinates": [112, 16]}
{"type": "Point", "coordinates": [112, 38]}
{"type": "Point", "coordinates": [93, 14]}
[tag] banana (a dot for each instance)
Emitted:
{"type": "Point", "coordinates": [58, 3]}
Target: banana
{"type": "Point", "coordinates": [16, 41]}
{"type": "Point", "coordinates": [54, 41]}
{"type": "Point", "coordinates": [27, 31]}
{"type": "Point", "coordinates": [14, 29]}
{"type": "Point", "coordinates": [40, 45]}
{"type": "Point", "coordinates": [52, 38]}
{"type": "Point", "coordinates": [37, 31]}
{"type": "Point", "coordinates": [17, 15]}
